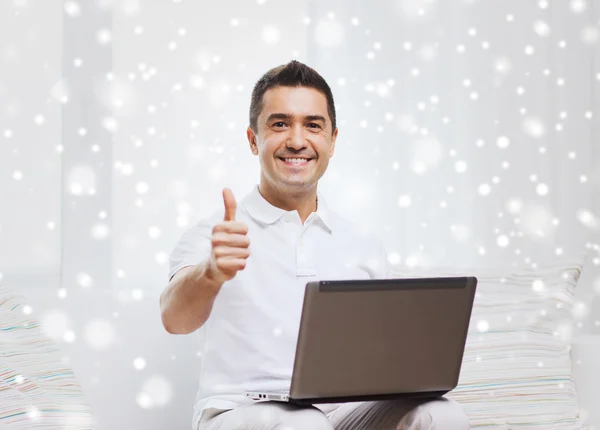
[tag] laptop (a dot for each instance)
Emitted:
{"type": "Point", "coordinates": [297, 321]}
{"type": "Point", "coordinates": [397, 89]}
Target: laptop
{"type": "Point", "coordinates": [378, 339]}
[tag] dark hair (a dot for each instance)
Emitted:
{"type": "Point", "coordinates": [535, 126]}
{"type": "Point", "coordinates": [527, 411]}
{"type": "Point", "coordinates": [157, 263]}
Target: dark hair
{"type": "Point", "coordinates": [292, 74]}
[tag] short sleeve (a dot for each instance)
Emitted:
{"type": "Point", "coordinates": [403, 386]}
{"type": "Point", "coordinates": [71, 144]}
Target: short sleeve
{"type": "Point", "coordinates": [193, 247]}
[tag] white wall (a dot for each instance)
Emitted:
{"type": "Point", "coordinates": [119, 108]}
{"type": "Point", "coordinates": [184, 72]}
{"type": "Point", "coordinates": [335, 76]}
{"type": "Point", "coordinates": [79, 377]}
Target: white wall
{"type": "Point", "coordinates": [472, 110]}
{"type": "Point", "coordinates": [422, 89]}
{"type": "Point", "coordinates": [30, 132]}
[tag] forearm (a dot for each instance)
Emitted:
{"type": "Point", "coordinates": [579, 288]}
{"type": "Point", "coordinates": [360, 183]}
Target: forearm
{"type": "Point", "coordinates": [187, 301]}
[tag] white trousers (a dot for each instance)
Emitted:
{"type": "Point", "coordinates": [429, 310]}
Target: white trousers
{"type": "Point", "coordinates": [410, 414]}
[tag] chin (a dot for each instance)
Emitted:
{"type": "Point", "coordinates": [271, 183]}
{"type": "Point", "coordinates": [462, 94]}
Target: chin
{"type": "Point", "coordinates": [296, 184]}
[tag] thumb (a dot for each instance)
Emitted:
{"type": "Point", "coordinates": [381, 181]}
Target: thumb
{"type": "Point", "coordinates": [230, 204]}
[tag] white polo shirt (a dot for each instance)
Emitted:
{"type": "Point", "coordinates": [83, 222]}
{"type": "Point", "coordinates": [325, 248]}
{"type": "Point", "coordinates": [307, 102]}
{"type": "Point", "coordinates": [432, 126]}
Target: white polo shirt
{"type": "Point", "coordinates": [249, 340]}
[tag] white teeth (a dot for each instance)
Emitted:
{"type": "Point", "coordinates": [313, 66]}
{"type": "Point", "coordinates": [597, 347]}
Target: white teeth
{"type": "Point", "coordinates": [295, 160]}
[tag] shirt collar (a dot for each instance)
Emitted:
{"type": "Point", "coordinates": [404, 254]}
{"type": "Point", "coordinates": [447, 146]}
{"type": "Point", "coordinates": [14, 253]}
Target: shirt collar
{"type": "Point", "coordinates": [263, 211]}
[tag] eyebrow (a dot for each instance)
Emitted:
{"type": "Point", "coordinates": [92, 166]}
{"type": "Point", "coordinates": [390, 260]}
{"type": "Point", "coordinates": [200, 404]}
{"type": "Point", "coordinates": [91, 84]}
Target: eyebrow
{"type": "Point", "coordinates": [290, 116]}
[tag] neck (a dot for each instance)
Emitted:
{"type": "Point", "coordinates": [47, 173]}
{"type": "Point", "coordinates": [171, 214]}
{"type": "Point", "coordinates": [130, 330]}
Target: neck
{"type": "Point", "coordinates": [305, 202]}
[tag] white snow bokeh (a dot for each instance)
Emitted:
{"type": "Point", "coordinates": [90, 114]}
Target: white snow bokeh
{"type": "Point", "coordinates": [55, 324]}
{"type": "Point", "coordinates": [461, 233]}
{"type": "Point", "coordinates": [534, 127]}
{"type": "Point", "coordinates": [503, 65]}
{"type": "Point", "coordinates": [483, 326]}
{"type": "Point", "coordinates": [536, 221]}
{"type": "Point", "coordinates": [588, 219]}
{"type": "Point", "coordinates": [426, 154]}
{"type": "Point", "coordinates": [414, 9]}
{"type": "Point", "coordinates": [84, 280]}
{"type": "Point", "coordinates": [404, 201]}
{"type": "Point", "coordinates": [271, 35]}
{"type": "Point", "coordinates": [329, 33]}
{"type": "Point", "coordinates": [155, 392]}
{"type": "Point", "coordinates": [99, 334]}
{"type": "Point", "coordinates": [100, 231]}
{"type": "Point", "coordinates": [139, 363]}
{"type": "Point", "coordinates": [60, 91]}
{"type": "Point", "coordinates": [82, 180]}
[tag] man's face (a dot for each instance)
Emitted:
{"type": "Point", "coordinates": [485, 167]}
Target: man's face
{"type": "Point", "coordinates": [293, 123]}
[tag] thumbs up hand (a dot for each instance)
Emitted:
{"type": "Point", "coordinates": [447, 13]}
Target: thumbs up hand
{"type": "Point", "coordinates": [230, 204]}
{"type": "Point", "coordinates": [229, 243]}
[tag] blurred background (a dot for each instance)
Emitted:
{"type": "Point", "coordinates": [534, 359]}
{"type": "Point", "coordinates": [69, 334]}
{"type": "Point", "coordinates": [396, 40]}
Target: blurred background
{"type": "Point", "coordinates": [468, 137]}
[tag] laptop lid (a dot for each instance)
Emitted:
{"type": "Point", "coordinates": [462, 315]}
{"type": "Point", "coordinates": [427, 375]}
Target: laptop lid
{"type": "Point", "coordinates": [376, 339]}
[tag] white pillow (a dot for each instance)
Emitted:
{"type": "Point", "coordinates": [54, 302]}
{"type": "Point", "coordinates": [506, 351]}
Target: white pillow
{"type": "Point", "coordinates": [516, 370]}
{"type": "Point", "coordinates": [36, 389]}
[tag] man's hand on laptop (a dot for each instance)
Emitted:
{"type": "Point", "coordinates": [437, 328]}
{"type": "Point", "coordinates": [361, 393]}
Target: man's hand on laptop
{"type": "Point", "coordinates": [230, 243]}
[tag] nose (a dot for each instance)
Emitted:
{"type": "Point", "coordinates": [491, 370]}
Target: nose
{"type": "Point", "coordinates": [297, 139]}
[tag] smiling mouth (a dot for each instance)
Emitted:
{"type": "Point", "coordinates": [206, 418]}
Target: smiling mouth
{"type": "Point", "coordinates": [295, 161]}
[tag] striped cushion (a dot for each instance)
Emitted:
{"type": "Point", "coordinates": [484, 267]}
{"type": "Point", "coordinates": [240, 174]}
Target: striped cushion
{"type": "Point", "coordinates": [36, 389]}
{"type": "Point", "coordinates": [516, 371]}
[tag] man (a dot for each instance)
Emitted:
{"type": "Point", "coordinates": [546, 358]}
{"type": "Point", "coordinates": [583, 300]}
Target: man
{"type": "Point", "coordinates": [240, 275]}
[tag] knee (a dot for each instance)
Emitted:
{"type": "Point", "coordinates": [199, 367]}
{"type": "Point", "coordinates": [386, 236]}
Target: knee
{"type": "Point", "coordinates": [437, 414]}
{"type": "Point", "coordinates": [306, 418]}
{"type": "Point", "coordinates": [449, 414]}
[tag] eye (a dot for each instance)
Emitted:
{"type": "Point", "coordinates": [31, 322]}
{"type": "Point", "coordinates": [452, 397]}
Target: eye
{"type": "Point", "coordinates": [278, 122]}
{"type": "Point", "coordinates": [314, 123]}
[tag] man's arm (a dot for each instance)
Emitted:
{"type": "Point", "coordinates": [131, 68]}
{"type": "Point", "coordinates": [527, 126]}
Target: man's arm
{"type": "Point", "coordinates": [187, 301]}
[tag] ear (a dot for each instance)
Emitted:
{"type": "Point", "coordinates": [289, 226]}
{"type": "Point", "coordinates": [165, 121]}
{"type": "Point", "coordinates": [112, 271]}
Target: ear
{"type": "Point", "coordinates": [333, 139]}
{"type": "Point", "coordinates": [252, 140]}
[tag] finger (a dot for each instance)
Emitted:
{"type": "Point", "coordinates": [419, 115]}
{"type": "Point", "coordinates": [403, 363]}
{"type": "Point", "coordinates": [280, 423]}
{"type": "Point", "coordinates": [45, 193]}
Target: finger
{"type": "Point", "coordinates": [237, 227]}
{"type": "Point", "coordinates": [232, 263]}
{"type": "Point", "coordinates": [227, 239]}
{"type": "Point", "coordinates": [230, 204]}
{"type": "Point", "coordinates": [231, 252]}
